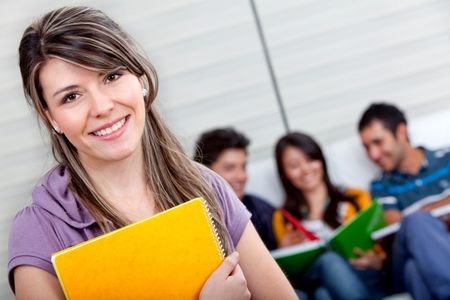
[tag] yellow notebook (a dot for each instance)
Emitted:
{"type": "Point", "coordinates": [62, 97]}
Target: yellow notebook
{"type": "Point", "coordinates": [167, 256]}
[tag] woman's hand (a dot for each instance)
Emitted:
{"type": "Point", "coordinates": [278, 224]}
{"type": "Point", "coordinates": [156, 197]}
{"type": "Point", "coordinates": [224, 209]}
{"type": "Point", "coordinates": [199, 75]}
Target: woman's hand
{"type": "Point", "coordinates": [292, 237]}
{"type": "Point", "coordinates": [367, 260]}
{"type": "Point", "coordinates": [227, 282]}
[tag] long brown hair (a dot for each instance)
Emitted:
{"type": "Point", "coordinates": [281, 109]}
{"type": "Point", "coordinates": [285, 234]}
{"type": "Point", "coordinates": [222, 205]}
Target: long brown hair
{"type": "Point", "coordinates": [295, 199]}
{"type": "Point", "coordinates": [88, 38]}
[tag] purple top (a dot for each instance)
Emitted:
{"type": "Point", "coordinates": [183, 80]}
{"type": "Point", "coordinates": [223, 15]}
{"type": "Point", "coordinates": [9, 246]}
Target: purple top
{"type": "Point", "coordinates": [56, 219]}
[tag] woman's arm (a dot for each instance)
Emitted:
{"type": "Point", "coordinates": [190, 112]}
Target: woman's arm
{"type": "Point", "coordinates": [34, 283]}
{"type": "Point", "coordinates": [265, 280]}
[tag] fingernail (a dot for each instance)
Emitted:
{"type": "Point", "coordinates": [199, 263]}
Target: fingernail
{"type": "Point", "coordinates": [234, 255]}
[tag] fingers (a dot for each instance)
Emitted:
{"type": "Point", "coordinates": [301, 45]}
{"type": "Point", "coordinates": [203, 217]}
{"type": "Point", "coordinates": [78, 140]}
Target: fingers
{"type": "Point", "coordinates": [239, 281]}
{"type": "Point", "coordinates": [227, 267]}
{"type": "Point", "coordinates": [292, 238]}
{"type": "Point", "coordinates": [361, 261]}
{"type": "Point", "coordinates": [353, 262]}
{"type": "Point", "coordinates": [301, 237]}
{"type": "Point", "coordinates": [227, 281]}
{"type": "Point", "coordinates": [289, 227]}
{"type": "Point", "coordinates": [358, 252]}
{"type": "Point", "coordinates": [366, 260]}
{"type": "Point", "coordinates": [358, 263]}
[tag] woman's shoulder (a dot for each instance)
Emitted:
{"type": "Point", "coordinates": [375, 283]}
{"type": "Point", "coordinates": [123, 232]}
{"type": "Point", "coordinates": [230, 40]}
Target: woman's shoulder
{"type": "Point", "coordinates": [37, 229]}
{"type": "Point", "coordinates": [30, 226]}
{"type": "Point", "coordinates": [28, 215]}
{"type": "Point", "coordinates": [54, 220]}
{"type": "Point", "coordinates": [236, 216]}
{"type": "Point", "coordinates": [213, 179]}
{"type": "Point", "coordinates": [354, 191]}
{"type": "Point", "coordinates": [362, 197]}
{"type": "Point", "coordinates": [346, 210]}
{"type": "Point", "coordinates": [55, 197]}
{"type": "Point", "coordinates": [31, 220]}
{"type": "Point", "coordinates": [31, 241]}
{"type": "Point", "coordinates": [220, 187]}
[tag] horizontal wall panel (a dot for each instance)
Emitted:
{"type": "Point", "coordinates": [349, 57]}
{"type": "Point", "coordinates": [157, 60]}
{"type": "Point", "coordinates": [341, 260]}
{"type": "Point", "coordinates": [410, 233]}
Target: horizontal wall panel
{"type": "Point", "coordinates": [331, 65]}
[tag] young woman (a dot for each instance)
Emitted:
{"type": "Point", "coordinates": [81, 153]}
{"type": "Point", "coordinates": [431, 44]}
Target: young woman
{"type": "Point", "coordinates": [118, 162]}
{"type": "Point", "coordinates": [313, 201]}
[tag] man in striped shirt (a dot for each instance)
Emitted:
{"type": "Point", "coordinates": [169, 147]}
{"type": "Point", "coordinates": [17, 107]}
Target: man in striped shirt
{"type": "Point", "coordinates": [413, 182]}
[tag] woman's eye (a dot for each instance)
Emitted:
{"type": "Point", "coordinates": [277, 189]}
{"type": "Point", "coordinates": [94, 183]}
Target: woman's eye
{"type": "Point", "coordinates": [112, 77]}
{"type": "Point", "coordinates": [292, 167]}
{"type": "Point", "coordinates": [70, 97]}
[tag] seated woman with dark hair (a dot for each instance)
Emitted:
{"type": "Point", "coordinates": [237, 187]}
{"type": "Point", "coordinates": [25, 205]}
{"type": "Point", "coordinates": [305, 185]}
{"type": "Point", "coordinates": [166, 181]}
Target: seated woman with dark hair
{"type": "Point", "coordinates": [321, 207]}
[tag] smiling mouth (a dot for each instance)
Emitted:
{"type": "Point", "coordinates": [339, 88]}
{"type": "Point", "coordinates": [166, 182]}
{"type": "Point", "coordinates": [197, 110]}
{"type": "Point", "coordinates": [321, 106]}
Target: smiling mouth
{"type": "Point", "coordinates": [382, 161]}
{"type": "Point", "coordinates": [106, 131]}
{"type": "Point", "coordinates": [308, 178]}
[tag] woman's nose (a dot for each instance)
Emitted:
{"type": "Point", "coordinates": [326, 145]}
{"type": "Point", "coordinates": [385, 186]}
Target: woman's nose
{"type": "Point", "coordinates": [101, 104]}
{"type": "Point", "coordinates": [304, 168]}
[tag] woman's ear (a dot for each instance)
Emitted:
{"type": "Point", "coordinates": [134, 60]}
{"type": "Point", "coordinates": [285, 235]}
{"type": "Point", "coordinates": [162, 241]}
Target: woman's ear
{"type": "Point", "coordinates": [53, 122]}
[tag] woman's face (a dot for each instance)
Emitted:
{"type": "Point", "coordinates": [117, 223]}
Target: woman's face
{"type": "Point", "coordinates": [102, 115]}
{"type": "Point", "coordinates": [304, 173]}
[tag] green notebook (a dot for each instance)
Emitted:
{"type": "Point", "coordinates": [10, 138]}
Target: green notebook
{"type": "Point", "coordinates": [296, 259]}
{"type": "Point", "coordinates": [355, 234]}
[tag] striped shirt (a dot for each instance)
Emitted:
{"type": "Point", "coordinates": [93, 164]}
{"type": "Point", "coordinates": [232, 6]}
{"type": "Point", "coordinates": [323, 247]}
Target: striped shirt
{"type": "Point", "coordinates": [407, 192]}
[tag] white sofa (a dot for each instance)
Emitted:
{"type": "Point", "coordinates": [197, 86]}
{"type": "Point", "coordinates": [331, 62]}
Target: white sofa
{"type": "Point", "coordinates": [347, 162]}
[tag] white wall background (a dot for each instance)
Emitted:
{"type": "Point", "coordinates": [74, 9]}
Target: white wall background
{"type": "Point", "coordinates": [331, 58]}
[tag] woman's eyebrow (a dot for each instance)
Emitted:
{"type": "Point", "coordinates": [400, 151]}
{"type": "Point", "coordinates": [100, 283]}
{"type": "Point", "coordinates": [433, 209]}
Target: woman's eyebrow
{"type": "Point", "coordinates": [65, 89]}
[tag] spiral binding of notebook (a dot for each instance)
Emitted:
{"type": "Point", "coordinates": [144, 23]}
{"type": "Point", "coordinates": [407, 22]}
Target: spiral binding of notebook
{"type": "Point", "coordinates": [213, 228]}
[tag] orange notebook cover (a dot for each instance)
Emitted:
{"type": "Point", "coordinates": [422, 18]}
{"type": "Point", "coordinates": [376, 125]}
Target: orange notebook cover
{"type": "Point", "coordinates": [167, 256]}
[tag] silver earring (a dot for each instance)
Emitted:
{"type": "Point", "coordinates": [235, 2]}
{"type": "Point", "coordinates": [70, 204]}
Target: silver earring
{"type": "Point", "coordinates": [57, 130]}
{"type": "Point", "coordinates": [144, 92]}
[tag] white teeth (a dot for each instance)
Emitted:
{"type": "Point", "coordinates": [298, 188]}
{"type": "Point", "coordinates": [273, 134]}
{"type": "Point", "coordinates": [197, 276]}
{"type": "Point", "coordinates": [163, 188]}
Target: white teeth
{"type": "Point", "coordinates": [111, 129]}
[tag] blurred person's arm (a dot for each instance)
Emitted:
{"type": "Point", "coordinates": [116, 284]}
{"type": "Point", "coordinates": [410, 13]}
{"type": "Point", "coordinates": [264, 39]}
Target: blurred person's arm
{"type": "Point", "coordinates": [393, 216]}
{"type": "Point", "coordinates": [437, 204]}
